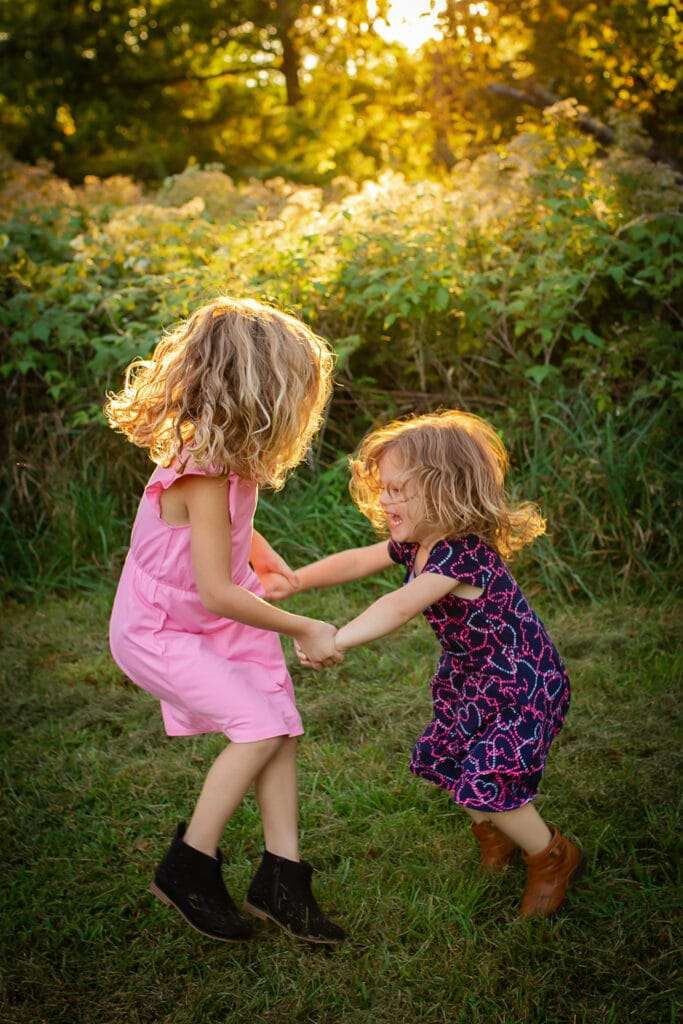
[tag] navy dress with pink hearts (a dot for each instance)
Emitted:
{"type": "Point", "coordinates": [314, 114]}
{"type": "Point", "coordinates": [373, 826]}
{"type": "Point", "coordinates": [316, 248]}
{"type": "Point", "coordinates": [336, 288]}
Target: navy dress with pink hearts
{"type": "Point", "coordinates": [500, 691]}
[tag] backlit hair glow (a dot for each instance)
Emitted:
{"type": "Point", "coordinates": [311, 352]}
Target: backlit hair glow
{"type": "Point", "coordinates": [238, 387]}
{"type": "Point", "coordinates": [456, 464]}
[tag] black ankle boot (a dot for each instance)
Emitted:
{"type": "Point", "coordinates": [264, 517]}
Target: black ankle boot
{"type": "Point", "coordinates": [281, 892]}
{"type": "Point", "coordinates": [191, 881]}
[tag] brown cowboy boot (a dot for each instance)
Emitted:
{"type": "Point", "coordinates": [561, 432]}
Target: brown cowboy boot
{"type": "Point", "coordinates": [549, 875]}
{"type": "Point", "coordinates": [495, 849]}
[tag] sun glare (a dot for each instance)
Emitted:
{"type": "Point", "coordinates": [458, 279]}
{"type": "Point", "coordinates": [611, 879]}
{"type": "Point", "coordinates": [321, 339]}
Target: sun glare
{"type": "Point", "coordinates": [409, 22]}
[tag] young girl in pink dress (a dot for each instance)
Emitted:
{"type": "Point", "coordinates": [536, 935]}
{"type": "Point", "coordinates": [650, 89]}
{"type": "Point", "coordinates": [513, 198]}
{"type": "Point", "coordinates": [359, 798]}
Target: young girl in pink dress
{"type": "Point", "coordinates": [500, 692]}
{"type": "Point", "coordinates": [229, 401]}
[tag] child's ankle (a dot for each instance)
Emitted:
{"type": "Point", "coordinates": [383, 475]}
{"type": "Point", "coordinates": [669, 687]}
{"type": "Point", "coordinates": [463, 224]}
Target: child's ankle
{"type": "Point", "coordinates": [200, 841]}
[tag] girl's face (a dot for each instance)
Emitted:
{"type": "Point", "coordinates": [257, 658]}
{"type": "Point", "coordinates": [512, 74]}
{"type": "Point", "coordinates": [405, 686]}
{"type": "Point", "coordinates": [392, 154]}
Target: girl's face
{"type": "Point", "coordinates": [400, 502]}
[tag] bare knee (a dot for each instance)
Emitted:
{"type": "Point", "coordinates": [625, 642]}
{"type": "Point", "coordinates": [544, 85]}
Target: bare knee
{"type": "Point", "coordinates": [259, 750]}
{"type": "Point", "coordinates": [271, 746]}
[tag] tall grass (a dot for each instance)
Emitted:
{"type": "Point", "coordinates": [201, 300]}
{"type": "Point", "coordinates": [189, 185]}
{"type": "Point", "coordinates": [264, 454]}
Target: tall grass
{"type": "Point", "coordinates": [66, 515]}
{"type": "Point", "coordinates": [607, 483]}
{"type": "Point", "coordinates": [610, 487]}
{"type": "Point", "coordinates": [314, 515]}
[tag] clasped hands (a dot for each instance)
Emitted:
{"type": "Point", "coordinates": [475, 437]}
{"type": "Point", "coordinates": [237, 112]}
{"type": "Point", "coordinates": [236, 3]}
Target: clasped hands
{"type": "Point", "coordinates": [317, 648]}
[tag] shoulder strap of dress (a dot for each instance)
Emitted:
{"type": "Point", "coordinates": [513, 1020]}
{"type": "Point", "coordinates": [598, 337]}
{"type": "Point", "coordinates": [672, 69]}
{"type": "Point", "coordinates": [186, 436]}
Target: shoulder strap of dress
{"type": "Point", "coordinates": [164, 477]}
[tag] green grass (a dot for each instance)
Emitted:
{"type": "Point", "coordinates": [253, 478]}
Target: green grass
{"type": "Point", "coordinates": [93, 789]}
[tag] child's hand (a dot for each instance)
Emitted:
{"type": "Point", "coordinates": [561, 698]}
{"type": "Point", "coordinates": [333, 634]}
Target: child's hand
{"type": "Point", "coordinates": [316, 665]}
{"type": "Point", "coordinates": [267, 565]}
{"type": "Point", "coordinates": [303, 660]}
{"type": "Point", "coordinates": [316, 648]}
{"type": "Point", "coordinates": [277, 587]}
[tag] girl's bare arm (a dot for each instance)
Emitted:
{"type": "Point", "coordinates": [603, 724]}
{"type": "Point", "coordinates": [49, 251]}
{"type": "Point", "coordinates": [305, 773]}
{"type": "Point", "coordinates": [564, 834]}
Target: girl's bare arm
{"type": "Point", "coordinates": [265, 559]}
{"type": "Point", "coordinates": [393, 610]}
{"type": "Point", "coordinates": [207, 500]}
{"type": "Point", "coordinates": [344, 566]}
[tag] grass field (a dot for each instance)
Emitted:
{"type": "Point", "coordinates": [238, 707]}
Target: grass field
{"type": "Point", "coordinates": [93, 789]}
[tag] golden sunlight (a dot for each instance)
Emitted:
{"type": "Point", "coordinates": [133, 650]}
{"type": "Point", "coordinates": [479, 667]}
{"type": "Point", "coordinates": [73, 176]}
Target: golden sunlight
{"type": "Point", "coordinates": [409, 22]}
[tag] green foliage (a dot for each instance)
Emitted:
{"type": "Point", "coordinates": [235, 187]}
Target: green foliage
{"type": "Point", "coordinates": [312, 90]}
{"type": "Point", "coordinates": [611, 56]}
{"type": "Point", "coordinates": [540, 286]}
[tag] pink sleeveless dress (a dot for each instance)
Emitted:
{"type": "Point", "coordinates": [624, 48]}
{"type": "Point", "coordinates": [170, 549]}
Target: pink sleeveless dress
{"type": "Point", "coordinates": [211, 674]}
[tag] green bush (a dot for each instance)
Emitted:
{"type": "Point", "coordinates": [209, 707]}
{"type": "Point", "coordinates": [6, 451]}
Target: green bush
{"type": "Point", "coordinates": [540, 288]}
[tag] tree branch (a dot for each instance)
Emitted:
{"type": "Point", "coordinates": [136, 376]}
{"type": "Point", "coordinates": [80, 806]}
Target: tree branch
{"type": "Point", "coordinates": [141, 83]}
{"type": "Point", "coordinates": [542, 98]}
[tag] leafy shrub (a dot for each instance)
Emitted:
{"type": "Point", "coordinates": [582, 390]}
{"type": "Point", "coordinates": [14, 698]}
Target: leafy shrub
{"type": "Point", "coordinates": [539, 287]}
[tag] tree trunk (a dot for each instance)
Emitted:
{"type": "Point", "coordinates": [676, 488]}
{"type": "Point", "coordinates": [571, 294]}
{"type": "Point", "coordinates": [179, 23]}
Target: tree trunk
{"type": "Point", "coordinates": [443, 154]}
{"type": "Point", "coordinates": [286, 16]}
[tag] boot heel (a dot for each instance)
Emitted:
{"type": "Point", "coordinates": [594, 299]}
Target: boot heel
{"type": "Point", "coordinates": [255, 912]}
{"type": "Point", "coordinates": [159, 894]}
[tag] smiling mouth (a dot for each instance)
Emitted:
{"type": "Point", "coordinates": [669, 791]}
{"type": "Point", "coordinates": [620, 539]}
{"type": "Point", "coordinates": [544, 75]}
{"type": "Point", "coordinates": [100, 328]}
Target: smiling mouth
{"type": "Point", "coordinates": [393, 520]}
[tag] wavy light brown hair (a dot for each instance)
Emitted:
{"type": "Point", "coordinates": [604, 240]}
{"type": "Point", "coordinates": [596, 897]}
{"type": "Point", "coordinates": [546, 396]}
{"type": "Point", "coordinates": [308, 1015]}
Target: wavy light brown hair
{"type": "Point", "coordinates": [457, 464]}
{"type": "Point", "coordinates": [238, 387]}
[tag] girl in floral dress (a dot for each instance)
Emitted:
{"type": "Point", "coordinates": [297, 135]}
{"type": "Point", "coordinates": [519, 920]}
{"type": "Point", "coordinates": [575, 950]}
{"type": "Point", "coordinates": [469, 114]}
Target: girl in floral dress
{"type": "Point", "coordinates": [500, 691]}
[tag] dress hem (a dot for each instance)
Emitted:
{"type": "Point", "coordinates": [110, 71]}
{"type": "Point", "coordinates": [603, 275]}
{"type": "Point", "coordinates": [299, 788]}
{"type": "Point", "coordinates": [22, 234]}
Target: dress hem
{"type": "Point", "coordinates": [470, 804]}
{"type": "Point", "coordinates": [269, 734]}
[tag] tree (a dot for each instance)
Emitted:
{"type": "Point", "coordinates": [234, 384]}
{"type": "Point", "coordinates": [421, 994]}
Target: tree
{"type": "Point", "coordinates": [309, 90]}
{"type": "Point", "coordinates": [107, 75]}
{"type": "Point", "coordinates": [609, 56]}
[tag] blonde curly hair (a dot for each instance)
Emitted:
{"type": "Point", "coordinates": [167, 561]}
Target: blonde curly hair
{"type": "Point", "coordinates": [458, 464]}
{"type": "Point", "coordinates": [238, 387]}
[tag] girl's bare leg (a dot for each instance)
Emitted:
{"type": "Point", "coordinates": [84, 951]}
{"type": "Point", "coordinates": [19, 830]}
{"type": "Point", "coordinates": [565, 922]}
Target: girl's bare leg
{"type": "Point", "coordinates": [277, 796]}
{"type": "Point", "coordinates": [229, 778]}
{"type": "Point", "coordinates": [281, 888]}
{"type": "Point", "coordinates": [476, 816]}
{"type": "Point", "coordinates": [524, 826]}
